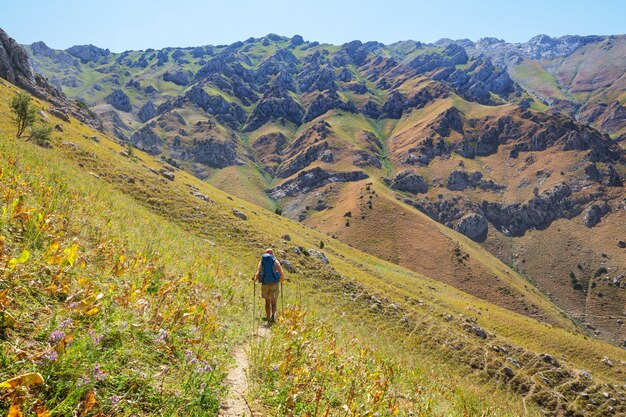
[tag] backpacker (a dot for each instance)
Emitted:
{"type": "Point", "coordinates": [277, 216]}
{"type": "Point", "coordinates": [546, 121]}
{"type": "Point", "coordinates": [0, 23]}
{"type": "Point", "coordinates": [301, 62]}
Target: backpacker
{"type": "Point", "coordinates": [269, 274]}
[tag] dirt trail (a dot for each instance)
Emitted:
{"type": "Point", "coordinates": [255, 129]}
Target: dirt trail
{"type": "Point", "coordinates": [236, 404]}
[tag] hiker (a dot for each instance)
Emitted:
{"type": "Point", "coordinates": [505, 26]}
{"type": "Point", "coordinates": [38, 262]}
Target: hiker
{"type": "Point", "coordinates": [270, 274]}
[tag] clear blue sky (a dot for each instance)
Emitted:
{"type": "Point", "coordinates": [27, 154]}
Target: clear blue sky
{"type": "Point", "coordinates": [139, 24]}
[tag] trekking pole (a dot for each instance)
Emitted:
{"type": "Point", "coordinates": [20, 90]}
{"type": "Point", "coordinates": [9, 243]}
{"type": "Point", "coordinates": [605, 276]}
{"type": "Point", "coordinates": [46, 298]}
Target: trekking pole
{"type": "Point", "coordinates": [282, 300]}
{"type": "Point", "coordinates": [254, 308]}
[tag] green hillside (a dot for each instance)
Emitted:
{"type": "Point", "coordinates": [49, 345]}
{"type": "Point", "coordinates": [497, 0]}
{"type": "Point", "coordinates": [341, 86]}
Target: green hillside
{"type": "Point", "coordinates": [127, 292]}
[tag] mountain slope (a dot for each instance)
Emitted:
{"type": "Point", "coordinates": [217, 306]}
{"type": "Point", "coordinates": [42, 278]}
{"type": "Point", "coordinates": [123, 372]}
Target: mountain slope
{"type": "Point", "coordinates": [440, 129]}
{"type": "Point", "coordinates": [138, 234]}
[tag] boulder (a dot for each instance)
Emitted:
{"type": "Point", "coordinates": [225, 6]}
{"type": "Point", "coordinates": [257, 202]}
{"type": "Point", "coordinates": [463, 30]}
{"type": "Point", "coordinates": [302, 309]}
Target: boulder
{"type": "Point", "coordinates": [319, 255]}
{"type": "Point", "coordinates": [288, 266]}
{"type": "Point", "coordinates": [239, 214]}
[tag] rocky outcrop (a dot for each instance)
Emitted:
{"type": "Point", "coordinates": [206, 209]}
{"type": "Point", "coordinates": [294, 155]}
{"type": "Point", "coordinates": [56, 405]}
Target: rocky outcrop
{"type": "Point", "coordinates": [312, 179]}
{"type": "Point", "coordinates": [325, 102]}
{"type": "Point", "coordinates": [461, 180]}
{"type": "Point", "coordinates": [515, 219]}
{"type": "Point", "coordinates": [473, 226]}
{"type": "Point", "coordinates": [61, 58]}
{"type": "Point", "coordinates": [16, 68]}
{"type": "Point", "coordinates": [214, 153]}
{"type": "Point", "coordinates": [595, 212]}
{"type": "Point", "coordinates": [409, 181]}
{"type": "Point", "coordinates": [87, 53]}
{"type": "Point", "coordinates": [301, 160]}
{"type": "Point", "coordinates": [451, 56]}
{"type": "Point", "coordinates": [113, 123]}
{"type": "Point", "coordinates": [147, 112]}
{"type": "Point", "coordinates": [276, 105]}
{"type": "Point", "coordinates": [148, 141]}
{"type": "Point", "coordinates": [177, 77]}
{"type": "Point", "coordinates": [229, 113]}
{"type": "Point", "coordinates": [119, 100]}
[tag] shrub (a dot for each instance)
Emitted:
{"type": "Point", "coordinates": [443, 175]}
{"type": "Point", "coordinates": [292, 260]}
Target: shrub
{"type": "Point", "coordinates": [41, 134]}
{"type": "Point", "coordinates": [24, 112]}
{"type": "Point", "coordinates": [600, 271]}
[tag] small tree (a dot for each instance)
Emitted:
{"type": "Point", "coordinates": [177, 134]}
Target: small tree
{"type": "Point", "coordinates": [24, 112]}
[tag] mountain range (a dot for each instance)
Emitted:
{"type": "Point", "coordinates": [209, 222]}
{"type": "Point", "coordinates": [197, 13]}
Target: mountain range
{"type": "Point", "coordinates": [517, 146]}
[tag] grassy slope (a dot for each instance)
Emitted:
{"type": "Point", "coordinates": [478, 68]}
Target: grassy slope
{"type": "Point", "coordinates": [185, 224]}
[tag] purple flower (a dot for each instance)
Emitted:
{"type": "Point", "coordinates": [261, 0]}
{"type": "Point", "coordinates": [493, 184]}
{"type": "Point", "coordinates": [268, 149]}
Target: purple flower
{"type": "Point", "coordinates": [84, 380]}
{"type": "Point", "coordinates": [97, 374]}
{"type": "Point", "coordinates": [161, 336]}
{"type": "Point", "coordinates": [275, 367]}
{"type": "Point", "coordinates": [55, 336]}
{"type": "Point", "coordinates": [114, 400]}
{"type": "Point", "coordinates": [63, 325]}
{"type": "Point", "coordinates": [95, 338]}
{"type": "Point", "coordinates": [203, 367]}
{"type": "Point", "coordinates": [73, 305]}
{"type": "Point", "coordinates": [49, 356]}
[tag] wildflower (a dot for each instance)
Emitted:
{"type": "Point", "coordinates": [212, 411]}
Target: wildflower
{"type": "Point", "coordinates": [49, 356]}
{"type": "Point", "coordinates": [64, 324]}
{"type": "Point", "coordinates": [73, 305]}
{"type": "Point", "coordinates": [97, 374]}
{"type": "Point", "coordinates": [275, 368]}
{"type": "Point", "coordinates": [161, 336]}
{"type": "Point", "coordinates": [114, 399]}
{"type": "Point", "coordinates": [203, 367]}
{"type": "Point", "coordinates": [95, 338]}
{"type": "Point", "coordinates": [55, 336]}
{"type": "Point", "coordinates": [191, 357]}
{"type": "Point", "coordinates": [83, 380]}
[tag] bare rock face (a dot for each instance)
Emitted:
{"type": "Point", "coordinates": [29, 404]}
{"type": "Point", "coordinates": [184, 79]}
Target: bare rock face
{"type": "Point", "coordinates": [595, 212]}
{"type": "Point", "coordinates": [119, 100]}
{"type": "Point", "coordinates": [515, 219]}
{"type": "Point", "coordinates": [87, 53]}
{"type": "Point", "coordinates": [215, 153]}
{"type": "Point", "coordinates": [276, 104]}
{"type": "Point", "coordinates": [410, 182]}
{"type": "Point", "coordinates": [14, 64]}
{"type": "Point", "coordinates": [16, 68]}
{"type": "Point", "coordinates": [148, 141]}
{"type": "Point", "coordinates": [473, 226]}
{"type": "Point", "coordinates": [177, 77]}
{"type": "Point", "coordinates": [147, 112]}
{"type": "Point", "coordinates": [312, 179]}
{"type": "Point", "coordinates": [461, 180]}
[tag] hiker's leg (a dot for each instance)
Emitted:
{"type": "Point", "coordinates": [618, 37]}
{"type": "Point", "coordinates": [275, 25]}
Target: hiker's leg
{"type": "Point", "coordinates": [274, 308]}
{"type": "Point", "coordinates": [268, 308]}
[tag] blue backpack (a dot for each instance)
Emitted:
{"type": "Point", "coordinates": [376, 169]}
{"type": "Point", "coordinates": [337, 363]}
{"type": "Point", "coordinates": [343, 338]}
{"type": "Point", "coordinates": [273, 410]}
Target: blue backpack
{"type": "Point", "coordinates": [269, 274]}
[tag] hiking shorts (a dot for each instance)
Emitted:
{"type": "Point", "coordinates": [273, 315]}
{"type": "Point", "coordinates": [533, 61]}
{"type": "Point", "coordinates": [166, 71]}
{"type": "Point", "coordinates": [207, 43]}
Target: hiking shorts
{"type": "Point", "coordinates": [270, 291]}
